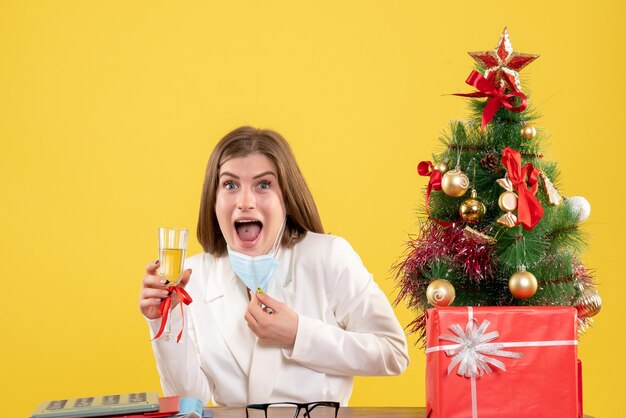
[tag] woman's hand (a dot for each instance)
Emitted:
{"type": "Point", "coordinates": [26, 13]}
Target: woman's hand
{"type": "Point", "coordinates": [276, 324]}
{"type": "Point", "coordinates": [154, 290]}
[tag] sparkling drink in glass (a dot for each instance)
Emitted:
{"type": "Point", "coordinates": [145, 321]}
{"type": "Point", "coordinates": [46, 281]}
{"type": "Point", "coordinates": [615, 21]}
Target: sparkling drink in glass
{"type": "Point", "coordinates": [172, 249]}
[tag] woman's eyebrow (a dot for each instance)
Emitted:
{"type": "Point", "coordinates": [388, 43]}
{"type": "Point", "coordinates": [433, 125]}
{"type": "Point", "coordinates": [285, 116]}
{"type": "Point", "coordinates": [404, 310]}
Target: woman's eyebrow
{"type": "Point", "coordinates": [266, 173]}
{"type": "Point", "coordinates": [226, 173]}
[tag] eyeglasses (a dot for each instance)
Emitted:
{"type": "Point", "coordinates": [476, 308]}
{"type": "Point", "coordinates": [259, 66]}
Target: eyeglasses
{"type": "Point", "coordinates": [322, 409]}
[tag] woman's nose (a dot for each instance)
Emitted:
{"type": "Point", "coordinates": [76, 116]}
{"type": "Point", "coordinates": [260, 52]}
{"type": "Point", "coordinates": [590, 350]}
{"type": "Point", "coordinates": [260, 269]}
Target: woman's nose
{"type": "Point", "coordinates": [246, 200]}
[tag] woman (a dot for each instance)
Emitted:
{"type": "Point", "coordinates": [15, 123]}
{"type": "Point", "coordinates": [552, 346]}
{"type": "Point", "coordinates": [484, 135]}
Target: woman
{"type": "Point", "coordinates": [314, 318]}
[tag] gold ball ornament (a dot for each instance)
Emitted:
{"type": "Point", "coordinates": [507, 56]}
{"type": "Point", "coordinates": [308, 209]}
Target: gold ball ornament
{"type": "Point", "coordinates": [441, 166]}
{"type": "Point", "coordinates": [523, 284]}
{"type": "Point", "coordinates": [472, 210]}
{"type": "Point", "coordinates": [455, 183]}
{"type": "Point", "coordinates": [588, 303]}
{"type": "Point", "coordinates": [528, 131]}
{"type": "Point", "coordinates": [440, 292]}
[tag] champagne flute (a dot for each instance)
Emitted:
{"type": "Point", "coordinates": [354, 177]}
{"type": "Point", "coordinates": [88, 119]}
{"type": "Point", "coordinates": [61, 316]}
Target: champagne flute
{"type": "Point", "coordinates": [172, 249]}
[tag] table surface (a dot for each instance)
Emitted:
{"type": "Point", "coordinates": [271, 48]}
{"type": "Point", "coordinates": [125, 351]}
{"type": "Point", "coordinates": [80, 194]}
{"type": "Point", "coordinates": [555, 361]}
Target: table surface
{"type": "Point", "coordinates": [344, 412]}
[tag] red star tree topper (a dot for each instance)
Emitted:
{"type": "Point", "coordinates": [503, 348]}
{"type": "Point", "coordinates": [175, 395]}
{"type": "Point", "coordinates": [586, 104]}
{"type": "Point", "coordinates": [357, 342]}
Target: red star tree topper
{"type": "Point", "coordinates": [502, 63]}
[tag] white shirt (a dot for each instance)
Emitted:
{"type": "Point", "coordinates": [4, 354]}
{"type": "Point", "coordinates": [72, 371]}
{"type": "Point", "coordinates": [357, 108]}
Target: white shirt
{"type": "Point", "coordinates": [346, 327]}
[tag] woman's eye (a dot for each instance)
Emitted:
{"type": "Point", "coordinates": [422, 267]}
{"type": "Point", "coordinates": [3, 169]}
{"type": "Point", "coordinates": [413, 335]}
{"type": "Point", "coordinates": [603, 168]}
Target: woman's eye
{"type": "Point", "coordinates": [264, 185]}
{"type": "Point", "coordinates": [229, 185]}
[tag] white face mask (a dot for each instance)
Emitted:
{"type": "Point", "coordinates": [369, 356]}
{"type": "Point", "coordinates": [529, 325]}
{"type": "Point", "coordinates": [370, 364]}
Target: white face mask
{"type": "Point", "coordinates": [257, 271]}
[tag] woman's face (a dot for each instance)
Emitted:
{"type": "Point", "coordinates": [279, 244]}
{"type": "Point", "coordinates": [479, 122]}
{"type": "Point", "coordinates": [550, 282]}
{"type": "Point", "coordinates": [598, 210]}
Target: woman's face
{"type": "Point", "coordinates": [249, 205]}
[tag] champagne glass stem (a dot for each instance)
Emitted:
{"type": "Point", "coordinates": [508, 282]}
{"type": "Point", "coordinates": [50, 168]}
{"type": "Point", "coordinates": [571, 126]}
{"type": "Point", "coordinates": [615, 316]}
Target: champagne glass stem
{"type": "Point", "coordinates": [168, 326]}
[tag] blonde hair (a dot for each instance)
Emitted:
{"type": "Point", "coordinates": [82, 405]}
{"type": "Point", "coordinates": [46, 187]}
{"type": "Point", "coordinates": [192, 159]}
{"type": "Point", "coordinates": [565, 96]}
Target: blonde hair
{"type": "Point", "coordinates": [302, 215]}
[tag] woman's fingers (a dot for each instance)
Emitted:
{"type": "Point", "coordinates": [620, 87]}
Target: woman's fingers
{"type": "Point", "coordinates": [153, 290]}
{"type": "Point", "coordinates": [153, 281]}
{"type": "Point", "coordinates": [273, 322]}
{"type": "Point", "coordinates": [152, 267]}
{"type": "Point", "coordinates": [149, 303]}
{"type": "Point", "coordinates": [149, 293]}
{"type": "Point", "coordinates": [271, 304]}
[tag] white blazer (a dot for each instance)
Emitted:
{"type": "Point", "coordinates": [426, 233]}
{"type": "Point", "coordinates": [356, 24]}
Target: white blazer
{"type": "Point", "coordinates": [346, 327]}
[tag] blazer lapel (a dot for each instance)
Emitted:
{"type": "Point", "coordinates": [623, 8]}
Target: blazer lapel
{"type": "Point", "coordinates": [228, 300]}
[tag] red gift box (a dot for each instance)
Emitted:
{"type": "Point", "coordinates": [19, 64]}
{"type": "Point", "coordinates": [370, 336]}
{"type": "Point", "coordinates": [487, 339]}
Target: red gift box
{"type": "Point", "coordinates": [511, 362]}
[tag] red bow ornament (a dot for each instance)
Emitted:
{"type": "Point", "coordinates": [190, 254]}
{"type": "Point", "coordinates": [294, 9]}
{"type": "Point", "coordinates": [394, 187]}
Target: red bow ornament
{"type": "Point", "coordinates": [164, 308]}
{"type": "Point", "coordinates": [525, 182]}
{"type": "Point", "coordinates": [497, 97]}
{"type": "Point", "coordinates": [426, 169]}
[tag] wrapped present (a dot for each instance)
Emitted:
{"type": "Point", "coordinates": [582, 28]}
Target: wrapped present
{"type": "Point", "coordinates": [511, 362]}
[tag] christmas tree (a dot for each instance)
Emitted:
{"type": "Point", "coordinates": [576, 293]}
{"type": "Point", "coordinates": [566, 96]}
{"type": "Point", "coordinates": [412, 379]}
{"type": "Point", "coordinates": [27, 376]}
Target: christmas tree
{"type": "Point", "coordinates": [496, 231]}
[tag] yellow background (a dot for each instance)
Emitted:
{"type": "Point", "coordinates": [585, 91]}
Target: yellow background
{"type": "Point", "coordinates": [109, 110]}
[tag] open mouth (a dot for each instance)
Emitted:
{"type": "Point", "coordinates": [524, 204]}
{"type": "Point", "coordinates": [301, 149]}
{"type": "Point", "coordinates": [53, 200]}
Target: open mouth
{"type": "Point", "coordinates": [248, 230]}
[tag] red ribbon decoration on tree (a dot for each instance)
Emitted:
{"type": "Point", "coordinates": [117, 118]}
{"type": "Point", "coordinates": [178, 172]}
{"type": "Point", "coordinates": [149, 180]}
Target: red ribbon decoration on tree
{"type": "Point", "coordinates": [426, 169]}
{"type": "Point", "coordinates": [497, 97]}
{"type": "Point", "coordinates": [525, 181]}
{"type": "Point", "coordinates": [164, 308]}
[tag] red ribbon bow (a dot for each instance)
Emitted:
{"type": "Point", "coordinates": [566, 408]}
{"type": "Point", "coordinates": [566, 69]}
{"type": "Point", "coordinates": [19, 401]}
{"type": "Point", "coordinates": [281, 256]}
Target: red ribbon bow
{"type": "Point", "coordinates": [525, 181]}
{"type": "Point", "coordinates": [497, 97]}
{"type": "Point", "coordinates": [164, 308]}
{"type": "Point", "coordinates": [426, 168]}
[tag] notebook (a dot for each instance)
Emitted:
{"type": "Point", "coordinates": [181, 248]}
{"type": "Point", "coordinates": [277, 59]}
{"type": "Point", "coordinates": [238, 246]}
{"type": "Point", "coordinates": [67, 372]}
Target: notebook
{"type": "Point", "coordinates": [95, 406]}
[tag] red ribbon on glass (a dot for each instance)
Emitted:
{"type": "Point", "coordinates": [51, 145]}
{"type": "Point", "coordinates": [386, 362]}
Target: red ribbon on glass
{"type": "Point", "coordinates": [525, 181]}
{"type": "Point", "coordinates": [164, 308]}
{"type": "Point", "coordinates": [497, 97]}
{"type": "Point", "coordinates": [426, 169]}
